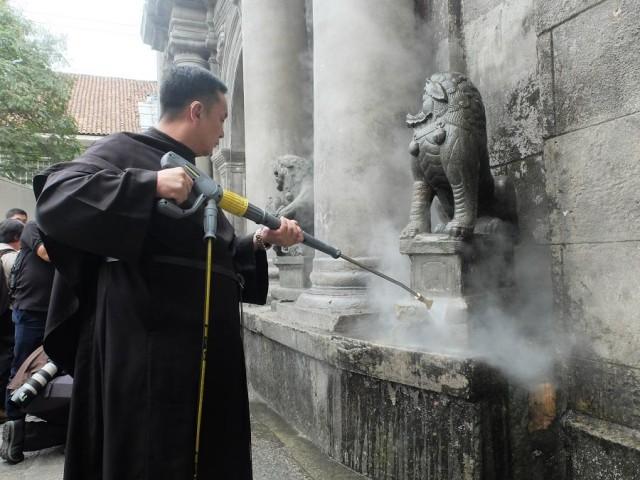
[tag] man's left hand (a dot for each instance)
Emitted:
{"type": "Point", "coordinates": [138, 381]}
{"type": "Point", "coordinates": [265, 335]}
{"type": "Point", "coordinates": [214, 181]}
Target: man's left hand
{"type": "Point", "coordinates": [288, 234]}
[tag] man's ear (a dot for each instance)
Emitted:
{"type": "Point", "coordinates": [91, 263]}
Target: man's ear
{"type": "Point", "coordinates": [195, 110]}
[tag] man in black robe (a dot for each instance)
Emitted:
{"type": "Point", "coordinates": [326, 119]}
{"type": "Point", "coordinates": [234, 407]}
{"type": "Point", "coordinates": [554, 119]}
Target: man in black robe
{"type": "Point", "coordinates": [128, 299]}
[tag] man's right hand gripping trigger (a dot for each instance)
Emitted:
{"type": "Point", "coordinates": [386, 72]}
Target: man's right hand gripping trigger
{"type": "Point", "coordinates": [174, 184]}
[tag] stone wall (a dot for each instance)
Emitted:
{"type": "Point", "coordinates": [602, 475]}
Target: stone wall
{"type": "Point", "coordinates": [589, 59]}
{"type": "Point", "coordinates": [560, 84]}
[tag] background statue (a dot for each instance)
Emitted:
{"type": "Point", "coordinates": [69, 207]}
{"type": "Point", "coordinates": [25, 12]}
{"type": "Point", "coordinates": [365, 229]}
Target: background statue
{"type": "Point", "coordinates": [294, 178]}
{"type": "Point", "coordinates": [451, 162]}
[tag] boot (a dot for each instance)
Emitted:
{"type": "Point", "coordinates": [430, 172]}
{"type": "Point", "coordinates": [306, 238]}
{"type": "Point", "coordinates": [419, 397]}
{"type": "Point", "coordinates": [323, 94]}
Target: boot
{"type": "Point", "coordinates": [13, 441]}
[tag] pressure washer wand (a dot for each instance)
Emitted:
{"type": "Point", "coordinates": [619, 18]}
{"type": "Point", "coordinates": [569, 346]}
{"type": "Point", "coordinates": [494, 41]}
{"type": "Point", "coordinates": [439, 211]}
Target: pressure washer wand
{"type": "Point", "coordinates": [417, 295]}
{"type": "Point", "coordinates": [238, 205]}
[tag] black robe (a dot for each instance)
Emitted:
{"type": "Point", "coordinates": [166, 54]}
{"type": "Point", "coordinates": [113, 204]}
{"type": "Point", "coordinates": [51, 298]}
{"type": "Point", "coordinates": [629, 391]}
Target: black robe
{"type": "Point", "coordinates": [131, 330]}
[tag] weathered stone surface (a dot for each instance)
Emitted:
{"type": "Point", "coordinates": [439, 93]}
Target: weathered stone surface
{"type": "Point", "coordinates": [592, 182]}
{"type": "Point", "coordinates": [604, 390]}
{"type": "Point", "coordinates": [390, 431]}
{"type": "Point", "coordinates": [501, 58]}
{"type": "Point", "coordinates": [535, 455]}
{"type": "Point", "coordinates": [456, 376]}
{"type": "Point", "coordinates": [529, 179]}
{"type": "Point", "coordinates": [597, 80]}
{"type": "Point", "coordinates": [435, 13]}
{"type": "Point", "coordinates": [477, 8]}
{"type": "Point", "coordinates": [600, 450]}
{"type": "Point", "coordinates": [383, 411]}
{"type": "Point", "coordinates": [545, 79]}
{"type": "Point", "coordinates": [296, 385]}
{"type": "Point", "coordinates": [600, 301]}
{"type": "Point", "coordinates": [294, 271]}
{"type": "Point", "coordinates": [550, 13]}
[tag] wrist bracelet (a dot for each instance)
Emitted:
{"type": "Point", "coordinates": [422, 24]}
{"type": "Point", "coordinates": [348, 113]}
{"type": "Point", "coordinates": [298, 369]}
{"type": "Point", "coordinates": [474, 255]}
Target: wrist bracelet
{"type": "Point", "coordinates": [260, 240]}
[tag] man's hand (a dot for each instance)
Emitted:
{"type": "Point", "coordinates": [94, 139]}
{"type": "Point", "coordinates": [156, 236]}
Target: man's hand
{"type": "Point", "coordinates": [288, 234]}
{"type": "Point", "coordinates": [42, 253]}
{"type": "Point", "coordinates": [174, 183]}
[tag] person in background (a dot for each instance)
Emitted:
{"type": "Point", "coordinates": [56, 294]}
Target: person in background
{"type": "Point", "coordinates": [17, 214]}
{"type": "Point", "coordinates": [10, 232]}
{"type": "Point", "coordinates": [32, 292]}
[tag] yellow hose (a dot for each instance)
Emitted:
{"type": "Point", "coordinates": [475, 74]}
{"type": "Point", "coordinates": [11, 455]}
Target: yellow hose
{"type": "Point", "coordinates": [205, 338]}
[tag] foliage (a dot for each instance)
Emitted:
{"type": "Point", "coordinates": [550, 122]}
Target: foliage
{"type": "Point", "coordinates": [35, 129]}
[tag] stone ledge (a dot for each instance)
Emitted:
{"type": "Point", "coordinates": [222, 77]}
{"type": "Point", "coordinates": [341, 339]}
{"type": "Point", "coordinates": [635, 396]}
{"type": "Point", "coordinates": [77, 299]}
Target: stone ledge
{"type": "Point", "coordinates": [600, 450]}
{"type": "Point", "coordinates": [601, 429]}
{"type": "Point", "coordinates": [461, 377]}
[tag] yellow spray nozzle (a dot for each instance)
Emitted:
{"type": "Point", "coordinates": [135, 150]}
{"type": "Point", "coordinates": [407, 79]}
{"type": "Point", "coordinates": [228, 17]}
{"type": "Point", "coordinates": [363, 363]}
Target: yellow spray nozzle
{"type": "Point", "coordinates": [233, 203]}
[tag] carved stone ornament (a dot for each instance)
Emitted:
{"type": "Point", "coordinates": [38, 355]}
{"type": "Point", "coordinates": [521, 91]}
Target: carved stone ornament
{"type": "Point", "coordinates": [450, 164]}
{"type": "Point", "coordinates": [294, 181]}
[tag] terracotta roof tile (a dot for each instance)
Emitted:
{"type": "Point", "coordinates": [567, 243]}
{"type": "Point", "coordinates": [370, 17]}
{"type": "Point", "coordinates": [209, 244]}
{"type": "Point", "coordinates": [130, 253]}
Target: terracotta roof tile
{"type": "Point", "coordinates": [104, 105]}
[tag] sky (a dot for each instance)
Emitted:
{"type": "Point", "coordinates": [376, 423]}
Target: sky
{"type": "Point", "coordinates": [102, 36]}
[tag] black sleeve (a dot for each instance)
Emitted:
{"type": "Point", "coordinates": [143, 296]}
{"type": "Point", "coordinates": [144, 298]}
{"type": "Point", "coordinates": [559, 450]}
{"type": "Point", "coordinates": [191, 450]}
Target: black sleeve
{"type": "Point", "coordinates": [252, 265]}
{"type": "Point", "coordinates": [30, 238]}
{"type": "Point", "coordinates": [103, 212]}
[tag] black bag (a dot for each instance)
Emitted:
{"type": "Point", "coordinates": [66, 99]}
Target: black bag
{"type": "Point", "coordinates": [15, 271]}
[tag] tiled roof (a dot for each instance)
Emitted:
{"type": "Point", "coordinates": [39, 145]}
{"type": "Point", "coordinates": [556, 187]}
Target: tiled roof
{"type": "Point", "coordinates": [104, 105]}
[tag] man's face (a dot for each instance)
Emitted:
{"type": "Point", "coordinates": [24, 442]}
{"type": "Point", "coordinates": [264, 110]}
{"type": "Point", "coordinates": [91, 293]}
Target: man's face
{"type": "Point", "coordinates": [211, 125]}
{"type": "Point", "coordinates": [20, 217]}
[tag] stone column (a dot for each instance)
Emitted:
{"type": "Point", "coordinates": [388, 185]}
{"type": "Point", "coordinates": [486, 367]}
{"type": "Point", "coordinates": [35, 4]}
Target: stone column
{"type": "Point", "coordinates": [188, 45]}
{"type": "Point", "coordinates": [230, 170]}
{"type": "Point", "coordinates": [188, 34]}
{"type": "Point", "coordinates": [276, 119]}
{"type": "Point", "coordinates": [360, 99]}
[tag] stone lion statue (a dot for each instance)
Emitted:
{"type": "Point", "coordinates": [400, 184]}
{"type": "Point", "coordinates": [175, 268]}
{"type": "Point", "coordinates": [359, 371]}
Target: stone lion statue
{"type": "Point", "coordinates": [294, 179]}
{"type": "Point", "coordinates": [451, 162]}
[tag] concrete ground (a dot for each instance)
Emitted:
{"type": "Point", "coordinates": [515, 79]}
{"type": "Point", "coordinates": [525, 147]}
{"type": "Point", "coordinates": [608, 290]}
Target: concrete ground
{"type": "Point", "coordinates": [279, 453]}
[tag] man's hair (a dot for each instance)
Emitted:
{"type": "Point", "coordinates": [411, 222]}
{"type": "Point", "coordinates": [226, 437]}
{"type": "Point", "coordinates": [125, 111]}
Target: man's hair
{"type": "Point", "coordinates": [182, 85]}
{"type": "Point", "coordinates": [15, 211]}
{"type": "Point", "coordinates": [10, 230]}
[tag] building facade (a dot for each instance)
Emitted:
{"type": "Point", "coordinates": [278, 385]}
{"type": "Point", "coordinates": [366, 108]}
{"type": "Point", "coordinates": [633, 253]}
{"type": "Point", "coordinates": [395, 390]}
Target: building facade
{"type": "Point", "coordinates": [332, 81]}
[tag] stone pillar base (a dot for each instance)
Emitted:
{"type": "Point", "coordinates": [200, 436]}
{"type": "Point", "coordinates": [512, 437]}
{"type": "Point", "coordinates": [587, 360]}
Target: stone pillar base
{"type": "Point", "coordinates": [338, 296]}
{"type": "Point", "coordinates": [332, 320]}
{"type": "Point", "coordinates": [294, 274]}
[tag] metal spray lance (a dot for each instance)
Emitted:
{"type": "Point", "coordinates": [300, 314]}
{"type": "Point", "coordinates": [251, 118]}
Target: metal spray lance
{"type": "Point", "coordinates": [206, 188]}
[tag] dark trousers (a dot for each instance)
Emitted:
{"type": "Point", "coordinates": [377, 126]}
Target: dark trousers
{"type": "Point", "coordinates": [29, 332]}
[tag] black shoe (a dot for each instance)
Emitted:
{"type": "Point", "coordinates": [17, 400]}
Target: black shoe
{"type": "Point", "coordinates": [12, 441]}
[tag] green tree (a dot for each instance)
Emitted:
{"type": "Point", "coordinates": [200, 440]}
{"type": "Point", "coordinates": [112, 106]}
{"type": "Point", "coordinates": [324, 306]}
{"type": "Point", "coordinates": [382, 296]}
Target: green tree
{"type": "Point", "coordinates": [35, 129]}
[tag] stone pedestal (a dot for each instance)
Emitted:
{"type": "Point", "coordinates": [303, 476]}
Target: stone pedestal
{"type": "Point", "coordinates": [294, 274]}
{"type": "Point", "coordinates": [466, 280]}
{"type": "Point", "coordinates": [336, 299]}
